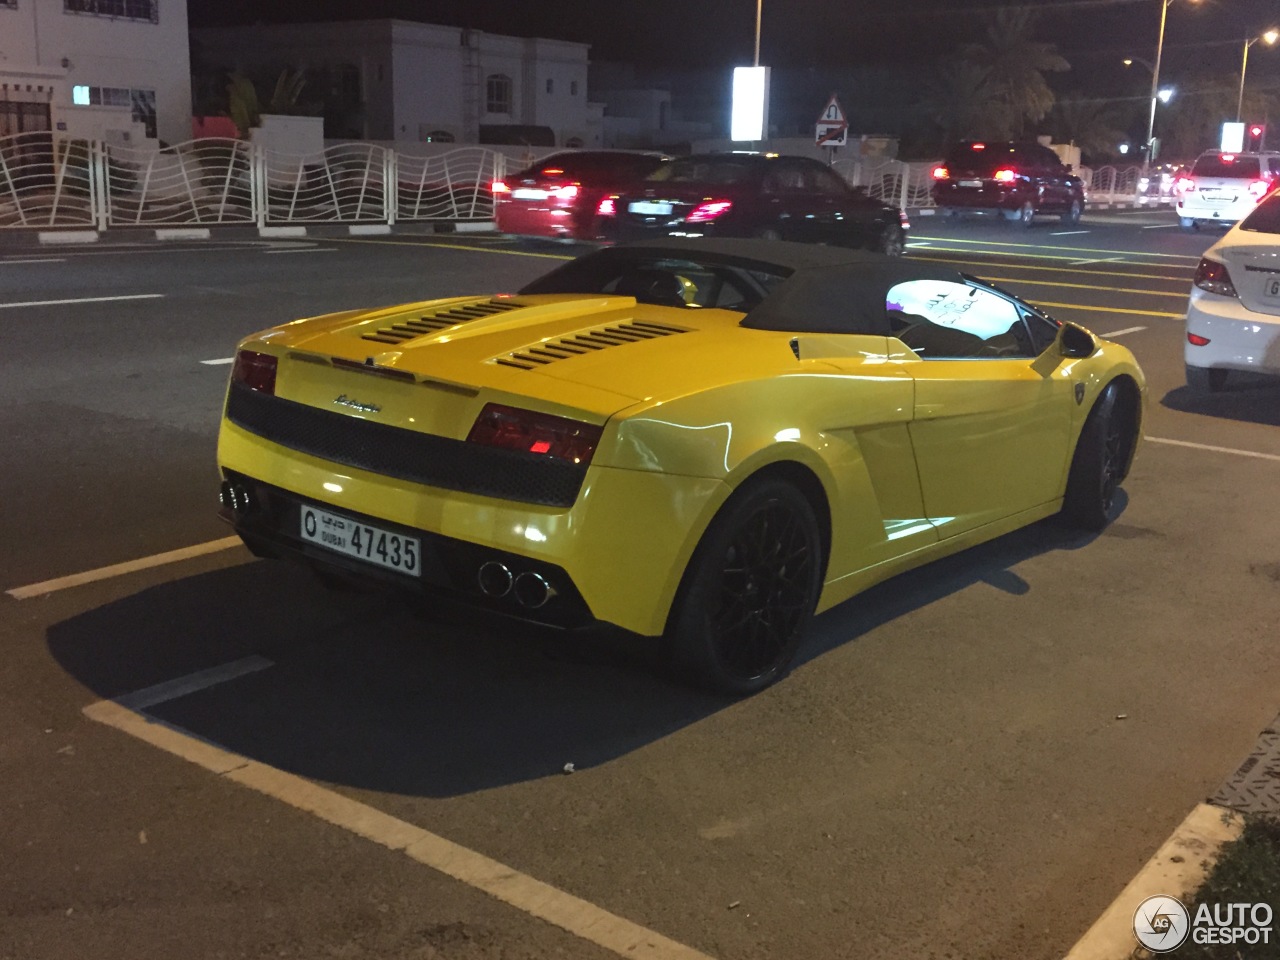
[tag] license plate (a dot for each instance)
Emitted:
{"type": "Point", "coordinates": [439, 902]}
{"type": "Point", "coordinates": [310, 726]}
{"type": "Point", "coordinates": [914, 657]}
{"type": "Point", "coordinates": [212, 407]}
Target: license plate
{"type": "Point", "coordinates": [526, 193]}
{"type": "Point", "coordinates": [1271, 289]}
{"type": "Point", "coordinates": [969, 183]}
{"type": "Point", "coordinates": [1219, 197]}
{"type": "Point", "coordinates": [649, 208]}
{"type": "Point", "coordinates": [354, 539]}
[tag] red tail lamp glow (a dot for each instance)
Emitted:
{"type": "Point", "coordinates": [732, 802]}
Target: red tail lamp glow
{"type": "Point", "coordinates": [524, 431]}
{"type": "Point", "coordinates": [709, 210]}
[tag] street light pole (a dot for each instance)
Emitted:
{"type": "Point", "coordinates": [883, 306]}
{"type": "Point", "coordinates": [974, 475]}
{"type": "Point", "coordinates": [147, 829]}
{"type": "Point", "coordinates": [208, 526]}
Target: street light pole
{"type": "Point", "coordinates": [1155, 86]}
{"type": "Point", "coordinates": [1270, 37]}
{"type": "Point", "coordinates": [759, 5]}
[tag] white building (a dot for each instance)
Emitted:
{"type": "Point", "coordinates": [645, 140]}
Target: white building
{"type": "Point", "coordinates": [100, 69]}
{"type": "Point", "coordinates": [419, 81]}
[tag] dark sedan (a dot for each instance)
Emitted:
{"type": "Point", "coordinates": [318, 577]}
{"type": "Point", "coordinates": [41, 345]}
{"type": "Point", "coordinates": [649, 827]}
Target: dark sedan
{"type": "Point", "coordinates": [754, 195]}
{"type": "Point", "coordinates": [1016, 180]}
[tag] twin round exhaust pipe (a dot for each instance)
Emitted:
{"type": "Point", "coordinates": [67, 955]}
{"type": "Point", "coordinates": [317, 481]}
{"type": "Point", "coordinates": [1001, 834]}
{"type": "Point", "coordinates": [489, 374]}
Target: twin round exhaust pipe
{"type": "Point", "coordinates": [530, 589]}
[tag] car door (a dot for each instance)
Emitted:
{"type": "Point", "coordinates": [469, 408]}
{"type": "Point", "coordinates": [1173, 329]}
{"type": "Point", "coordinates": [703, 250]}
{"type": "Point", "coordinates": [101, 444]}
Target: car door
{"type": "Point", "coordinates": [795, 206]}
{"type": "Point", "coordinates": [991, 422]}
{"type": "Point", "coordinates": [848, 219]}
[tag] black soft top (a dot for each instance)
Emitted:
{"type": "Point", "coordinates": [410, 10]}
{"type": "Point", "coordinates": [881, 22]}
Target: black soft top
{"type": "Point", "coordinates": [825, 290]}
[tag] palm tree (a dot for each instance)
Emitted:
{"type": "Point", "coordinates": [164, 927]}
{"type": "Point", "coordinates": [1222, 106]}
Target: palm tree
{"type": "Point", "coordinates": [1016, 67]}
{"type": "Point", "coordinates": [961, 101]}
{"type": "Point", "coordinates": [1092, 125]}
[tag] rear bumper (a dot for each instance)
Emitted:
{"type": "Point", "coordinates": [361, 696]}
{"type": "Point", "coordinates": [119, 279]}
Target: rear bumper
{"type": "Point", "coordinates": [1193, 208]}
{"type": "Point", "coordinates": [1239, 338]}
{"type": "Point", "coordinates": [981, 199]}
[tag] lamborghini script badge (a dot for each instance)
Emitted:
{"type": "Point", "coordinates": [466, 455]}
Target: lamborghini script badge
{"type": "Point", "coordinates": [1079, 393]}
{"type": "Point", "coordinates": [344, 401]}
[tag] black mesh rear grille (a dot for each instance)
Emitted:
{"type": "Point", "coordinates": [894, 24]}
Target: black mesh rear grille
{"type": "Point", "coordinates": [531, 358]}
{"type": "Point", "coordinates": [431, 323]}
{"type": "Point", "coordinates": [406, 454]}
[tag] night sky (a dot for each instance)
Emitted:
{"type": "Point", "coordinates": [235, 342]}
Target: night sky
{"type": "Point", "coordinates": [815, 32]}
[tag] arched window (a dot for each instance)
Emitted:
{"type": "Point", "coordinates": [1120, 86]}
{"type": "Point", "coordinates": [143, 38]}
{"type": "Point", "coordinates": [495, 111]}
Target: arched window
{"type": "Point", "coordinates": [497, 93]}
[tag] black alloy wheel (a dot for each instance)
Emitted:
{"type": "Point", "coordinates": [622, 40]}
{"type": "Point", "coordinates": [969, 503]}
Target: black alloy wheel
{"type": "Point", "coordinates": [749, 591]}
{"type": "Point", "coordinates": [1101, 461]}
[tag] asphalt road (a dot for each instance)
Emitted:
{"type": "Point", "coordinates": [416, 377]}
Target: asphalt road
{"type": "Point", "coordinates": [969, 762]}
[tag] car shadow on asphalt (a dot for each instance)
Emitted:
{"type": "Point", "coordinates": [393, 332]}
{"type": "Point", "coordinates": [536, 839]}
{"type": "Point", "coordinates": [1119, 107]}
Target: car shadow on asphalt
{"type": "Point", "coordinates": [1249, 398]}
{"type": "Point", "coordinates": [371, 692]}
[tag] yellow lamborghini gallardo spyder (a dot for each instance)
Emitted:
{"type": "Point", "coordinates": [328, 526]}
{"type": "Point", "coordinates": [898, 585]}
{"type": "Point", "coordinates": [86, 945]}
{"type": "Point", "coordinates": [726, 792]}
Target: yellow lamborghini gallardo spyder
{"type": "Point", "coordinates": [704, 441]}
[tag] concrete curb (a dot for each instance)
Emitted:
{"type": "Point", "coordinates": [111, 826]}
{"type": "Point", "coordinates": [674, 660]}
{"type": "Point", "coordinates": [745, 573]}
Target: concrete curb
{"type": "Point", "coordinates": [1176, 870]}
{"type": "Point", "coordinates": [239, 231]}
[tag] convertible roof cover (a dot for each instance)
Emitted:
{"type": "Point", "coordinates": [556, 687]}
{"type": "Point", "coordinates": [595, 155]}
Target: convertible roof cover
{"type": "Point", "coordinates": [826, 290]}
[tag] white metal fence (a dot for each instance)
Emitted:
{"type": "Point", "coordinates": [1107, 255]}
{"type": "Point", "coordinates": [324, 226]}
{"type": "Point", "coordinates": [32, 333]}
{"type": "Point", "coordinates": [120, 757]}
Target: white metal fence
{"type": "Point", "coordinates": [50, 182]}
{"type": "Point", "coordinates": [46, 181]}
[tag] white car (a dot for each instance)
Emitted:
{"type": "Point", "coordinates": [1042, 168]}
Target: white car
{"type": "Point", "coordinates": [1233, 317]}
{"type": "Point", "coordinates": [1221, 188]}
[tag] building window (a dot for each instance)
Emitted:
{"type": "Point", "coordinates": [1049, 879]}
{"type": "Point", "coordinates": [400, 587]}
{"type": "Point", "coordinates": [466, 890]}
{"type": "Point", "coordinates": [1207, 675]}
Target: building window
{"type": "Point", "coordinates": [573, 88]}
{"type": "Point", "coordinates": [148, 10]}
{"type": "Point", "coordinates": [142, 103]}
{"type": "Point", "coordinates": [9, 4]}
{"type": "Point", "coordinates": [497, 93]}
{"type": "Point", "coordinates": [438, 136]}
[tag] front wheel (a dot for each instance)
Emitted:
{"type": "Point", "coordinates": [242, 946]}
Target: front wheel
{"type": "Point", "coordinates": [749, 591]}
{"type": "Point", "coordinates": [1101, 461]}
{"type": "Point", "coordinates": [894, 242]}
{"type": "Point", "coordinates": [1072, 216]}
{"type": "Point", "coordinates": [1023, 215]}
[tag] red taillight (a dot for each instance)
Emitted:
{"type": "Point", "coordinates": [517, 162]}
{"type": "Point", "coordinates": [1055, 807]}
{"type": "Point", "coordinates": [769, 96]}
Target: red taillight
{"type": "Point", "coordinates": [257, 371]}
{"type": "Point", "coordinates": [499, 186]}
{"type": "Point", "coordinates": [979, 146]}
{"type": "Point", "coordinates": [568, 192]}
{"type": "Point", "coordinates": [1006, 175]}
{"type": "Point", "coordinates": [1212, 276]}
{"type": "Point", "coordinates": [608, 207]}
{"type": "Point", "coordinates": [1259, 189]}
{"type": "Point", "coordinates": [1185, 185]}
{"type": "Point", "coordinates": [510, 428]}
{"type": "Point", "coordinates": [1196, 340]}
{"type": "Point", "coordinates": [552, 171]}
{"type": "Point", "coordinates": [941, 173]}
{"type": "Point", "coordinates": [709, 210]}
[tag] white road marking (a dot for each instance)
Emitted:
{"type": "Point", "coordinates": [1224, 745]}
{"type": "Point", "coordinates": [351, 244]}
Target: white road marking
{"type": "Point", "coordinates": [149, 697]}
{"type": "Point", "coordinates": [1121, 333]}
{"type": "Point", "coordinates": [59, 303]}
{"type": "Point", "coordinates": [219, 362]}
{"type": "Point", "coordinates": [306, 250]}
{"type": "Point", "coordinates": [920, 243]}
{"type": "Point", "coordinates": [519, 890]}
{"type": "Point", "coordinates": [1068, 233]}
{"type": "Point", "coordinates": [120, 569]}
{"type": "Point", "coordinates": [1212, 449]}
{"type": "Point", "coordinates": [36, 260]}
{"type": "Point", "coordinates": [1080, 263]}
{"type": "Point", "coordinates": [1161, 226]}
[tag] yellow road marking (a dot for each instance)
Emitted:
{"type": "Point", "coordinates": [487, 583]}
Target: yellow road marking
{"type": "Point", "coordinates": [1088, 286]}
{"type": "Point", "coordinates": [1034, 266]}
{"type": "Point", "coordinates": [1085, 306]}
{"type": "Point", "coordinates": [1049, 246]}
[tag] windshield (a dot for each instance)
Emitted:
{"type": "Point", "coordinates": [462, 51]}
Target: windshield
{"type": "Point", "coordinates": [702, 170]}
{"type": "Point", "coordinates": [982, 156]}
{"type": "Point", "coordinates": [1225, 165]}
{"type": "Point", "coordinates": [1265, 217]}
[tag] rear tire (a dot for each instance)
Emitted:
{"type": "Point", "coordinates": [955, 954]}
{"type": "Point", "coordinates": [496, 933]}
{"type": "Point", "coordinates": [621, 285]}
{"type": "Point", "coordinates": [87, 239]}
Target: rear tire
{"type": "Point", "coordinates": [749, 591]}
{"type": "Point", "coordinates": [1023, 216]}
{"type": "Point", "coordinates": [1206, 379]}
{"type": "Point", "coordinates": [894, 241]}
{"type": "Point", "coordinates": [1189, 224]}
{"type": "Point", "coordinates": [1101, 461]}
{"type": "Point", "coordinates": [1072, 215]}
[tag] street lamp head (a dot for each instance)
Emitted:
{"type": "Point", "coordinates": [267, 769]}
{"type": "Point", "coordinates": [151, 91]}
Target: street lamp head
{"type": "Point", "coordinates": [1271, 36]}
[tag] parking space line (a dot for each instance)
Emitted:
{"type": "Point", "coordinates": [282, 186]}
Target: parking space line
{"type": "Point", "coordinates": [58, 303]}
{"type": "Point", "coordinates": [192, 683]}
{"type": "Point", "coordinates": [1121, 333]}
{"type": "Point", "coordinates": [1046, 246]}
{"type": "Point", "coordinates": [1068, 233]}
{"type": "Point", "coordinates": [119, 569]}
{"type": "Point", "coordinates": [521, 891]}
{"type": "Point", "coordinates": [1212, 449]}
{"type": "Point", "coordinates": [35, 260]}
{"type": "Point", "coordinates": [219, 362]}
{"type": "Point", "coordinates": [304, 250]}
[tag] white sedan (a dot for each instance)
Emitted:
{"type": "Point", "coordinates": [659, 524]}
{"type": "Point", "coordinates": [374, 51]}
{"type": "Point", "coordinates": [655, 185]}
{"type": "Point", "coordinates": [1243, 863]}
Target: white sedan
{"type": "Point", "coordinates": [1233, 318]}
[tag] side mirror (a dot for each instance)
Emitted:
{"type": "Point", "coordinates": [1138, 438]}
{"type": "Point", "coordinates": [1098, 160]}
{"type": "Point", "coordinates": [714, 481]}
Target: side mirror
{"type": "Point", "coordinates": [1076, 342]}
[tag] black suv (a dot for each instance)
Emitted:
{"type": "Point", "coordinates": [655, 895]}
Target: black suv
{"type": "Point", "coordinates": [1017, 180]}
{"type": "Point", "coordinates": [755, 195]}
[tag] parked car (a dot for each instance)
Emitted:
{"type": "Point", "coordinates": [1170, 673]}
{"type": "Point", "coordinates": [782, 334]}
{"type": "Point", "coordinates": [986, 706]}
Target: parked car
{"type": "Point", "coordinates": [766, 196]}
{"type": "Point", "coordinates": [703, 441]}
{"type": "Point", "coordinates": [1007, 178]}
{"type": "Point", "coordinates": [559, 196]}
{"type": "Point", "coordinates": [1221, 188]}
{"type": "Point", "coordinates": [1233, 316]}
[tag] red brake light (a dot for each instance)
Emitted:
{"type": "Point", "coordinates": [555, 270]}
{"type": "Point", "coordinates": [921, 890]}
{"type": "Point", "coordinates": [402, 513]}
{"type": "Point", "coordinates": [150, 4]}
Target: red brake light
{"type": "Point", "coordinates": [1196, 340]}
{"type": "Point", "coordinates": [1259, 189]}
{"type": "Point", "coordinates": [552, 171]}
{"type": "Point", "coordinates": [979, 146]}
{"type": "Point", "coordinates": [525, 431]}
{"type": "Point", "coordinates": [709, 210]}
{"type": "Point", "coordinates": [257, 371]}
{"type": "Point", "coordinates": [1212, 276]}
{"type": "Point", "coordinates": [608, 207]}
{"type": "Point", "coordinates": [1006, 175]}
{"type": "Point", "coordinates": [499, 186]}
{"type": "Point", "coordinates": [568, 192]}
{"type": "Point", "coordinates": [941, 173]}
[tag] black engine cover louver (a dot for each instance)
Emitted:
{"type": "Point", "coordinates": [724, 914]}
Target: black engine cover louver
{"type": "Point", "coordinates": [406, 454]}
{"type": "Point", "coordinates": [431, 323]}
{"type": "Point", "coordinates": [530, 358]}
